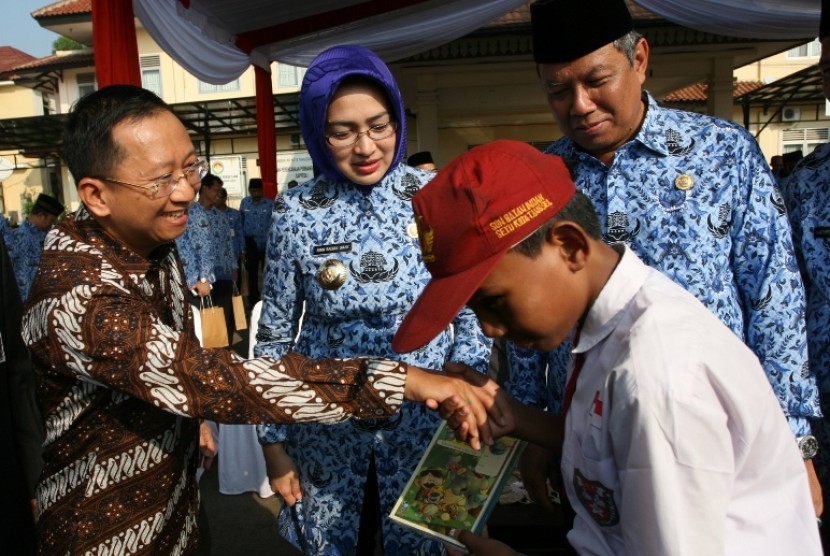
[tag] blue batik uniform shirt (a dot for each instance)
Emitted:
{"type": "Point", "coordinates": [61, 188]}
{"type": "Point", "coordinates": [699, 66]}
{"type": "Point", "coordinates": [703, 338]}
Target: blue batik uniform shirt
{"type": "Point", "coordinates": [196, 246]}
{"type": "Point", "coordinates": [235, 222]}
{"type": "Point", "coordinates": [221, 236]}
{"type": "Point", "coordinates": [807, 193]}
{"type": "Point", "coordinates": [26, 246]}
{"type": "Point", "coordinates": [693, 196]}
{"type": "Point", "coordinates": [256, 218]}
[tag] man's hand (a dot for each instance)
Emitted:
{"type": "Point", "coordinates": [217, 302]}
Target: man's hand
{"type": "Point", "coordinates": [466, 398]}
{"type": "Point", "coordinates": [207, 445]}
{"type": "Point", "coordinates": [200, 289]}
{"type": "Point", "coordinates": [480, 545]}
{"type": "Point", "coordinates": [455, 420]}
{"type": "Point", "coordinates": [815, 488]}
{"type": "Point", "coordinates": [282, 473]}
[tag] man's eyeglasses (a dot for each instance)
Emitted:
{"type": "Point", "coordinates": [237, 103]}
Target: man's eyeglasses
{"type": "Point", "coordinates": [347, 138]}
{"type": "Point", "coordinates": [165, 185]}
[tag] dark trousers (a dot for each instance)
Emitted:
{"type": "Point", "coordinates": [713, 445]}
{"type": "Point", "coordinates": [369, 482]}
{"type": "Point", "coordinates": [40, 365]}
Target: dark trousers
{"type": "Point", "coordinates": [254, 260]}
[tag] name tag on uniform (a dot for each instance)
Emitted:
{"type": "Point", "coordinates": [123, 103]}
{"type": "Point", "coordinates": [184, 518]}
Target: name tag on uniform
{"type": "Point", "coordinates": [821, 232]}
{"type": "Point", "coordinates": [332, 248]}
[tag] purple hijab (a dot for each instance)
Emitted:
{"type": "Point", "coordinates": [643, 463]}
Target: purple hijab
{"type": "Point", "coordinates": [321, 81]}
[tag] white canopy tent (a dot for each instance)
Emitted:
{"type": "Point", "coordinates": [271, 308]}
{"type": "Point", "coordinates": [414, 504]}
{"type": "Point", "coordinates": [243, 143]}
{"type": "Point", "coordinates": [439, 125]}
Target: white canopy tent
{"type": "Point", "coordinates": [217, 40]}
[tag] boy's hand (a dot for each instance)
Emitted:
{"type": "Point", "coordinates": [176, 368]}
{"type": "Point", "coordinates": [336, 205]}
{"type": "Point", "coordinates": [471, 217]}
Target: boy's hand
{"type": "Point", "coordinates": [465, 398]}
{"type": "Point", "coordinates": [538, 467]}
{"type": "Point", "coordinates": [499, 425]}
{"type": "Point", "coordinates": [207, 445]}
{"type": "Point", "coordinates": [283, 476]}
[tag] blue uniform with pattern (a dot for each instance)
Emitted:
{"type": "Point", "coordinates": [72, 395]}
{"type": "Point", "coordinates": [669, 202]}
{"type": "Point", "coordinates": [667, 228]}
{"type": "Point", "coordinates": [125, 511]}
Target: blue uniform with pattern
{"type": "Point", "coordinates": [256, 219]}
{"type": "Point", "coordinates": [5, 231]}
{"type": "Point", "coordinates": [694, 197]}
{"type": "Point", "coordinates": [196, 246]}
{"type": "Point", "coordinates": [807, 194]}
{"type": "Point", "coordinates": [235, 221]}
{"type": "Point", "coordinates": [222, 244]}
{"type": "Point", "coordinates": [25, 248]}
{"type": "Point", "coordinates": [372, 233]}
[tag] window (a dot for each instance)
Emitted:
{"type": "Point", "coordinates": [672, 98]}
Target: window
{"type": "Point", "coordinates": [804, 140]}
{"type": "Point", "coordinates": [289, 76]}
{"type": "Point", "coordinates": [151, 73]}
{"type": "Point", "coordinates": [809, 50]}
{"type": "Point", "coordinates": [86, 84]}
{"type": "Point", "coordinates": [205, 88]}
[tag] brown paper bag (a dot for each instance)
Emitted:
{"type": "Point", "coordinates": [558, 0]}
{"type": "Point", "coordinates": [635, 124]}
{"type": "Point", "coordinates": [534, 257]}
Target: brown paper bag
{"type": "Point", "coordinates": [214, 331]}
{"type": "Point", "coordinates": [239, 319]}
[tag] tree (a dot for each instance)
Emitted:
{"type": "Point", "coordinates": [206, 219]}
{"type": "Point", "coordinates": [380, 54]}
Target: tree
{"type": "Point", "coordinates": [65, 43]}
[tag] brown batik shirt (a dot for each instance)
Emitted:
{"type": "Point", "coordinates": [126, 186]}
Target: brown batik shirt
{"type": "Point", "coordinates": [122, 380]}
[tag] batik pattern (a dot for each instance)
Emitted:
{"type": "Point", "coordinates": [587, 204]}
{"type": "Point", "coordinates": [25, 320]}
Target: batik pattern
{"type": "Point", "coordinates": [196, 246]}
{"type": "Point", "coordinates": [25, 246]}
{"type": "Point", "coordinates": [121, 379]}
{"type": "Point", "coordinates": [371, 233]}
{"type": "Point", "coordinates": [256, 218]}
{"type": "Point", "coordinates": [235, 222]}
{"type": "Point", "coordinates": [222, 238]}
{"type": "Point", "coordinates": [807, 194]}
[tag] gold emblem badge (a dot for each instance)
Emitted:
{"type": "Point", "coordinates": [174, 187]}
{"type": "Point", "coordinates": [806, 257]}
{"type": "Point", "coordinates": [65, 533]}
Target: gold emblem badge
{"type": "Point", "coordinates": [332, 274]}
{"type": "Point", "coordinates": [426, 237]}
{"type": "Point", "coordinates": [684, 182]}
{"type": "Point", "coordinates": [412, 230]}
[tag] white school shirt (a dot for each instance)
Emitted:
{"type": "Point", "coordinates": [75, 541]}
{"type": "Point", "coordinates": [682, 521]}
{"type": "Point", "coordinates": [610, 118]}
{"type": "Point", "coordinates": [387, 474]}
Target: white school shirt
{"type": "Point", "coordinates": [675, 443]}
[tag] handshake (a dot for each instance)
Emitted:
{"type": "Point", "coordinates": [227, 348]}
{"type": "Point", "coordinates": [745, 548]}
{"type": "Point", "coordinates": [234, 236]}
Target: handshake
{"type": "Point", "coordinates": [475, 407]}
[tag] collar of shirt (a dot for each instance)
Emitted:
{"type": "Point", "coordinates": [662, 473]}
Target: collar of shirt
{"type": "Point", "coordinates": [628, 277]}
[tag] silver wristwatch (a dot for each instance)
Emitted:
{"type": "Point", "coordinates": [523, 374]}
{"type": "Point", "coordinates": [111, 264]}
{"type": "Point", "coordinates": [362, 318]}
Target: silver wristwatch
{"type": "Point", "coordinates": [808, 446]}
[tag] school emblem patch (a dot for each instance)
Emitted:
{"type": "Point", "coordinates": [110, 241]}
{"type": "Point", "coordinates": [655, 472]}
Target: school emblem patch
{"type": "Point", "coordinates": [597, 499]}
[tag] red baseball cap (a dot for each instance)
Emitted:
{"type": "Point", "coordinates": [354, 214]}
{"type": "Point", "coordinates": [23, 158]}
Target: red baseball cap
{"type": "Point", "coordinates": [481, 205]}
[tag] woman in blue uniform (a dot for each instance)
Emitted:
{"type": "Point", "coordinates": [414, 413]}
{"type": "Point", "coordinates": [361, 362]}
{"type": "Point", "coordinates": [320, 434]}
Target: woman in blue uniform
{"type": "Point", "coordinates": [343, 267]}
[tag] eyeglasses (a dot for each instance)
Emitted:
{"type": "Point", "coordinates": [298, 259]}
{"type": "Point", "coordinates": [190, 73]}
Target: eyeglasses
{"type": "Point", "coordinates": [349, 137]}
{"type": "Point", "coordinates": [165, 185]}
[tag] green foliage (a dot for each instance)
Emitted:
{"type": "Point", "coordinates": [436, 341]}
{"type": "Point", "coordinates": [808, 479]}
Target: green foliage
{"type": "Point", "coordinates": [65, 43]}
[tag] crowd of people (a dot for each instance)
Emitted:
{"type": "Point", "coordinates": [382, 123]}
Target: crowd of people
{"type": "Point", "coordinates": [660, 316]}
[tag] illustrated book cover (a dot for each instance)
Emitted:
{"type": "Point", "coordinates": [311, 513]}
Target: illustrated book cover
{"type": "Point", "coordinates": [455, 486]}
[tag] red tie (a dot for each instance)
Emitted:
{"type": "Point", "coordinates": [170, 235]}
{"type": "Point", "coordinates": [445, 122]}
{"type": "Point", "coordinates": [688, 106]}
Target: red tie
{"type": "Point", "coordinates": [579, 359]}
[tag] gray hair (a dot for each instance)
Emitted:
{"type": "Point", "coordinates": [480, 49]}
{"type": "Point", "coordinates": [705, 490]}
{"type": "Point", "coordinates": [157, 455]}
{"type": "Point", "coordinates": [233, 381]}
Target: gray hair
{"type": "Point", "coordinates": [627, 44]}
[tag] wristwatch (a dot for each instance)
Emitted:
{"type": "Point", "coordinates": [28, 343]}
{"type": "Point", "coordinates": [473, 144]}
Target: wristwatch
{"type": "Point", "coordinates": [808, 446]}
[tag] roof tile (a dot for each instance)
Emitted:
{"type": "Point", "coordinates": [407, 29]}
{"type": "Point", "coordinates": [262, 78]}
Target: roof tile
{"type": "Point", "coordinates": [63, 7]}
{"type": "Point", "coordinates": [11, 57]}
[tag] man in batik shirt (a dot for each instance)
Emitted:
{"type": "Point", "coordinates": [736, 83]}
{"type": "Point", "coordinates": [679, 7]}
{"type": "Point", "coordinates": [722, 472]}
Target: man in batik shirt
{"type": "Point", "coordinates": [26, 241]}
{"type": "Point", "coordinates": [807, 195]}
{"type": "Point", "coordinates": [122, 379]}
{"type": "Point", "coordinates": [256, 222]}
{"type": "Point", "coordinates": [692, 195]}
{"type": "Point", "coordinates": [235, 221]}
{"type": "Point", "coordinates": [196, 249]}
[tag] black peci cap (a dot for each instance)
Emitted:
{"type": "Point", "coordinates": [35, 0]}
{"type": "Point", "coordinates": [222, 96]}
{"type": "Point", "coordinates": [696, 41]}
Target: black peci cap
{"type": "Point", "coordinates": [48, 204]}
{"type": "Point", "coordinates": [564, 30]}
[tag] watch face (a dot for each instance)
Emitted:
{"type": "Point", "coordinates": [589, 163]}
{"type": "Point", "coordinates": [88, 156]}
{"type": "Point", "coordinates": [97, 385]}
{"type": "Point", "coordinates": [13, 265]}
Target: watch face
{"type": "Point", "coordinates": [808, 446]}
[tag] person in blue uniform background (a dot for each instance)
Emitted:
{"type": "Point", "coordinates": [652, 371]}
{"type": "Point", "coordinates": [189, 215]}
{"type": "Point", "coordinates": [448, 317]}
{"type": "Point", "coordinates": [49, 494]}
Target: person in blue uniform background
{"type": "Point", "coordinates": [195, 246]}
{"type": "Point", "coordinates": [256, 217]}
{"type": "Point", "coordinates": [343, 254]}
{"type": "Point", "coordinates": [807, 195]}
{"type": "Point", "coordinates": [235, 221]}
{"type": "Point", "coordinates": [691, 195]}
{"type": "Point", "coordinates": [26, 241]}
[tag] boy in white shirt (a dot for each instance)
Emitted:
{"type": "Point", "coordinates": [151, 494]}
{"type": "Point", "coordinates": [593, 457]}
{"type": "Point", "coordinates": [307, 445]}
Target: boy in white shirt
{"type": "Point", "coordinates": [673, 442]}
